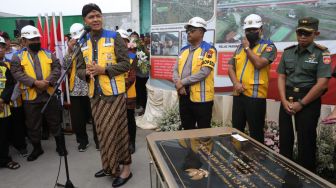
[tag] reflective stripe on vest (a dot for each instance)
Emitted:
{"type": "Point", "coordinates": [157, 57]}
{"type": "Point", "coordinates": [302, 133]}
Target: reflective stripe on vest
{"type": "Point", "coordinates": [254, 80]}
{"type": "Point", "coordinates": [27, 64]}
{"type": "Point", "coordinates": [72, 75]}
{"type": "Point", "coordinates": [106, 56]}
{"type": "Point", "coordinates": [6, 110]}
{"type": "Point", "coordinates": [131, 92]}
{"type": "Point", "coordinates": [204, 90]}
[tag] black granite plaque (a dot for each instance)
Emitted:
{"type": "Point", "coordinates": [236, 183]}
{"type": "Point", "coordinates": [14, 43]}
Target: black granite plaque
{"type": "Point", "coordinates": [222, 161]}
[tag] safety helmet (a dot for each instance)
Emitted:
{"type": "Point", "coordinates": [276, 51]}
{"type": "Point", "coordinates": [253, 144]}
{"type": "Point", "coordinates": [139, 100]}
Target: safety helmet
{"type": "Point", "coordinates": [2, 40]}
{"type": "Point", "coordinates": [252, 21]}
{"type": "Point", "coordinates": [124, 34]}
{"type": "Point", "coordinates": [76, 30]}
{"type": "Point", "coordinates": [196, 22]}
{"type": "Point", "coordinates": [30, 32]}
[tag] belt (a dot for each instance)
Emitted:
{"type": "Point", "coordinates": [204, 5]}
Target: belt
{"type": "Point", "coordinates": [298, 89]}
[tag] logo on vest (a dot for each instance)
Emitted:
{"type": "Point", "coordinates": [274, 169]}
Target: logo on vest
{"type": "Point", "coordinates": [109, 56]}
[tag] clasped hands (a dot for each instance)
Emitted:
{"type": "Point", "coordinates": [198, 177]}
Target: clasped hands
{"type": "Point", "coordinates": [292, 107]}
{"type": "Point", "coordinates": [41, 85]}
{"type": "Point", "coordinates": [94, 69]}
{"type": "Point", "coordinates": [180, 88]}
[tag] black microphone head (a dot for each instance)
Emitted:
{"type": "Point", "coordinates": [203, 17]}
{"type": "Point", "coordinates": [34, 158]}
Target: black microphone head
{"type": "Point", "coordinates": [87, 28]}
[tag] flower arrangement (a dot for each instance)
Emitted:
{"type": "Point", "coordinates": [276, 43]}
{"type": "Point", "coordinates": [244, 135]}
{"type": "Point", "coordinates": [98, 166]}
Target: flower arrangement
{"type": "Point", "coordinates": [142, 55]}
{"type": "Point", "coordinates": [271, 131]}
{"type": "Point", "coordinates": [170, 120]}
{"type": "Point", "coordinates": [326, 150]}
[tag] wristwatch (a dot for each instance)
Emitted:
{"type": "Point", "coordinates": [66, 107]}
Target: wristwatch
{"type": "Point", "coordinates": [246, 48]}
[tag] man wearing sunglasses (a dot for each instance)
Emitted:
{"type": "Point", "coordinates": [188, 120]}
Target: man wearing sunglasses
{"type": "Point", "coordinates": [194, 77]}
{"type": "Point", "coordinates": [248, 71]}
{"type": "Point", "coordinates": [304, 71]}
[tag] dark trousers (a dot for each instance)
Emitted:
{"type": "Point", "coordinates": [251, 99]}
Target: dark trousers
{"type": "Point", "coordinates": [131, 125]}
{"type": "Point", "coordinates": [195, 112]}
{"type": "Point", "coordinates": [306, 122]}
{"type": "Point", "coordinates": [34, 117]}
{"type": "Point", "coordinates": [4, 144]}
{"type": "Point", "coordinates": [80, 111]}
{"type": "Point", "coordinates": [141, 91]}
{"type": "Point", "coordinates": [250, 110]}
{"type": "Point", "coordinates": [17, 130]}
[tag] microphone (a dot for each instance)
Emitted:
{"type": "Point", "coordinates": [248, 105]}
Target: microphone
{"type": "Point", "coordinates": [87, 30]}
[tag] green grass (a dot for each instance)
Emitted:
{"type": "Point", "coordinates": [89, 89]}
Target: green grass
{"type": "Point", "coordinates": [280, 34]}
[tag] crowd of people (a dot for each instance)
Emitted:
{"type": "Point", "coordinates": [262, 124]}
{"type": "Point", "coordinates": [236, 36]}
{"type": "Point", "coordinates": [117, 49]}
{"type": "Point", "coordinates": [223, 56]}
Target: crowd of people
{"type": "Point", "coordinates": [106, 86]}
{"type": "Point", "coordinates": [304, 72]}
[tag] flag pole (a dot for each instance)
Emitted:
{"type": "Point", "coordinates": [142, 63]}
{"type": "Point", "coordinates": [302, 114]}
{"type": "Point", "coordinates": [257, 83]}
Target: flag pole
{"type": "Point", "coordinates": [54, 31]}
{"type": "Point", "coordinates": [47, 22]}
{"type": "Point", "coordinates": [64, 52]}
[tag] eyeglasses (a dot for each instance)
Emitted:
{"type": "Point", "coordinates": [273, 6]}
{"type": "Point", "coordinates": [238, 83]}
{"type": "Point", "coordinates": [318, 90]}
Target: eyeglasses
{"type": "Point", "coordinates": [191, 30]}
{"type": "Point", "coordinates": [304, 33]}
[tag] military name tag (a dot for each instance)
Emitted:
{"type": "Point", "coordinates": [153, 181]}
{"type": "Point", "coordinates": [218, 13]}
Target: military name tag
{"type": "Point", "coordinates": [312, 59]}
{"type": "Point", "coordinates": [311, 62]}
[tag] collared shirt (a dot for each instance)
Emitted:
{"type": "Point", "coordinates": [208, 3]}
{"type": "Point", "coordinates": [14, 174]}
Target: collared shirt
{"type": "Point", "coordinates": [186, 77]}
{"type": "Point", "coordinates": [81, 87]}
{"type": "Point", "coordinates": [10, 54]}
{"type": "Point", "coordinates": [303, 66]}
{"type": "Point", "coordinates": [23, 78]}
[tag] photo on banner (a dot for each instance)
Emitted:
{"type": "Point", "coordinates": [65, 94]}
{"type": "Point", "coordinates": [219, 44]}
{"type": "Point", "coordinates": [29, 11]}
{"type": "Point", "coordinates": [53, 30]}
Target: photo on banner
{"type": "Point", "coordinates": [165, 43]}
{"type": "Point", "coordinates": [209, 36]}
{"type": "Point", "coordinates": [180, 11]}
{"type": "Point", "coordinates": [279, 18]}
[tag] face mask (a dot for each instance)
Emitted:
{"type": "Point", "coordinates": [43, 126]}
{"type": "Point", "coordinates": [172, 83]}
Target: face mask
{"type": "Point", "coordinates": [252, 37]}
{"type": "Point", "coordinates": [35, 47]}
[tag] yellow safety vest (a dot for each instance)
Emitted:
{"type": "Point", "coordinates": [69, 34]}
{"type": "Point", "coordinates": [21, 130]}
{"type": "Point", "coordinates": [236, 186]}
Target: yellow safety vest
{"type": "Point", "coordinates": [27, 64]}
{"type": "Point", "coordinates": [18, 101]}
{"type": "Point", "coordinates": [131, 92]}
{"type": "Point", "coordinates": [72, 75]}
{"type": "Point", "coordinates": [254, 80]}
{"type": "Point", "coordinates": [106, 55]}
{"type": "Point", "coordinates": [204, 56]}
{"type": "Point", "coordinates": [6, 111]}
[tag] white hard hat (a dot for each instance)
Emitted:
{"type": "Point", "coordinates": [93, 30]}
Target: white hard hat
{"type": "Point", "coordinates": [76, 30]}
{"type": "Point", "coordinates": [2, 40]}
{"type": "Point", "coordinates": [30, 32]}
{"type": "Point", "coordinates": [252, 21]}
{"type": "Point", "coordinates": [196, 22]}
{"type": "Point", "coordinates": [124, 34]}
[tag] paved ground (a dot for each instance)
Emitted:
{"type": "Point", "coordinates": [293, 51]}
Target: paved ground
{"type": "Point", "coordinates": [42, 173]}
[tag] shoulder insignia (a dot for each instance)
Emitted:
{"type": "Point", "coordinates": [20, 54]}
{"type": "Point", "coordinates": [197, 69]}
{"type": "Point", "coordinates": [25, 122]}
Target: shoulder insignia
{"type": "Point", "coordinates": [210, 53]}
{"type": "Point", "coordinates": [269, 48]}
{"type": "Point", "coordinates": [327, 60]}
{"type": "Point", "coordinates": [321, 47]}
{"type": "Point", "coordinates": [289, 47]}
